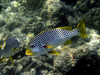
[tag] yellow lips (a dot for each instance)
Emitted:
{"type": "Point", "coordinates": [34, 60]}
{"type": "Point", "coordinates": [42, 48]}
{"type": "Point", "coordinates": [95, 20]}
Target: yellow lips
{"type": "Point", "coordinates": [29, 52]}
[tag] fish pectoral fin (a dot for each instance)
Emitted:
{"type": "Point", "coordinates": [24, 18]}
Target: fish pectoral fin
{"type": "Point", "coordinates": [53, 52]}
{"type": "Point", "coordinates": [48, 46]}
{"type": "Point", "coordinates": [14, 49]}
{"type": "Point", "coordinates": [68, 42]}
{"type": "Point", "coordinates": [2, 60]}
{"type": "Point", "coordinates": [29, 52]}
{"type": "Point", "coordinates": [11, 59]}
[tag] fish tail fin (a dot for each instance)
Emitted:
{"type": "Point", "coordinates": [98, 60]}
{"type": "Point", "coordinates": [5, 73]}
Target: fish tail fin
{"type": "Point", "coordinates": [81, 28]}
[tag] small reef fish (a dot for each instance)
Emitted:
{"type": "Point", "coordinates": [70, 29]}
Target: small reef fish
{"type": "Point", "coordinates": [9, 48]}
{"type": "Point", "coordinates": [47, 40]}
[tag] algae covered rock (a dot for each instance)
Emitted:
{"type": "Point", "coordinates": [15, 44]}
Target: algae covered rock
{"type": "Point", "coordinates": [52, 9]}
{"type": "Point", "coordinates": [32, 4]}
{"type": "Point", "coordinates": [2, 23]}
{"type": "Point", "coordinates": [86, 5]}
{"type": "Point", "coordinates": [24, 19]}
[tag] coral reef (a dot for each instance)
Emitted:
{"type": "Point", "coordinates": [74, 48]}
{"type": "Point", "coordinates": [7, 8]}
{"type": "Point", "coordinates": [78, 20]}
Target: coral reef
{"type": "Point", "coordinates": [32, 4]}
{"type": "Point", "coordinates": [24, 19]}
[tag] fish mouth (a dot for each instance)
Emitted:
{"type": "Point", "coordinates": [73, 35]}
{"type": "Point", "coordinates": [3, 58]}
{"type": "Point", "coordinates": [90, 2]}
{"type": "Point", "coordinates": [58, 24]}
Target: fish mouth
{"type": "Point", "coordinates": [29, 52]}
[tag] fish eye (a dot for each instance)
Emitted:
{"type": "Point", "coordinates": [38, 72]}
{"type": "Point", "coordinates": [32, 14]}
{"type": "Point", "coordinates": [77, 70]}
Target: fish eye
{"type": "Point", "coordinates": [45, 46]}
{"type": "Point", "coordinates": [32, 46]}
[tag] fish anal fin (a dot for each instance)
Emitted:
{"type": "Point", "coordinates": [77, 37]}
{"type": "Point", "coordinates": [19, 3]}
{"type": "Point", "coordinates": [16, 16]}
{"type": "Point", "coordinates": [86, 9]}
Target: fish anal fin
{"type": "Point", "coordinates": [53, 52]}
{"type": "Point", "coordinates": [69, 28]}
{"type": "Point", "coordinates": [68, 42]}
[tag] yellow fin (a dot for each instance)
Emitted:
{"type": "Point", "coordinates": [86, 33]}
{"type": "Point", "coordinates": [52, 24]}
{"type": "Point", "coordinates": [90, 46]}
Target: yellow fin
{"type": "Point", "coordinates": [50, 46]}
{"type": "Point", "coordinates": [29, 52]}
{"type": "Point", "coordinates": [81, 27]}
{"type": "Point", "coordinates": [2, 60]}
{"type": "Point", "coordinates": [54, 52]}
{"type": "Point", "coordinates": [11, 59]}
{"type": "Point", "coordinates": [1, 46]}
{"type": "Point", "coordinates": [14, 49]}
{"type": "Point", "coordinates": [68, 42]}
{"type": "Point", "coordinates": [69, 28]}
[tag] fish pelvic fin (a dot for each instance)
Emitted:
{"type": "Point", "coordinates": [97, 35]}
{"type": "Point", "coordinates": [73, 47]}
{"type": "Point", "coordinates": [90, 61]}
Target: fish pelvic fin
{"type": "Point", "coordinates": [81, 27]}
{"type": "Point", "coordinates": [53, 52]}
{"type": "Point", "coordinates": [11, 59]}
{"type": "Point", "coordinates": [2, 60]}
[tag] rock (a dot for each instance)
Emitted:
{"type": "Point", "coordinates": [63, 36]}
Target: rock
{"type": "Point", "coordinates": [2, 23]}
{"type": "Point", "coordinates": [32, 4]}
{"type": "Point", "coordinates": [24, 19]}
{"type": "Point", "coordinates": [52, 9]}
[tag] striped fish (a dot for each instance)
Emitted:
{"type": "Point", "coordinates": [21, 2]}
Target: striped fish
{"type": "Point", "coordinates": [47, 40]}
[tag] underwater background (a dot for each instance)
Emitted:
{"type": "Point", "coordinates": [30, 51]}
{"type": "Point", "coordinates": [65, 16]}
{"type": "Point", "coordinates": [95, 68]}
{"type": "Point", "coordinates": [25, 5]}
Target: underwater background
{"type": "Point", "coordinates": [24, 19]}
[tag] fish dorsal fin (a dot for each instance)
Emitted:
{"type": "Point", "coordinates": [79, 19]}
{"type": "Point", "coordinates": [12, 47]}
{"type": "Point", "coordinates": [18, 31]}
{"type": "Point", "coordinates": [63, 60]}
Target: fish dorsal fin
{"type": "Point", "coordinates": [69, 28]}
{"type": "Point", "coordinates": [53, 52]}
{"type": "Point", "coordinates": [68, 42]}
{"type": "Point", "coordinates": [44, 31]}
